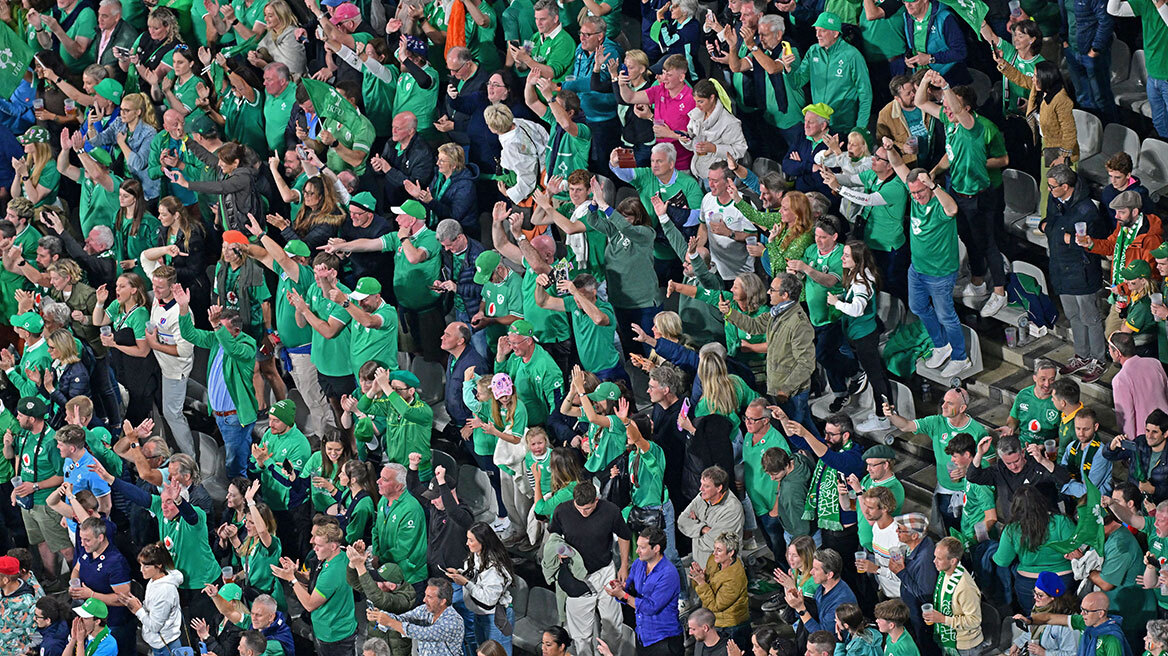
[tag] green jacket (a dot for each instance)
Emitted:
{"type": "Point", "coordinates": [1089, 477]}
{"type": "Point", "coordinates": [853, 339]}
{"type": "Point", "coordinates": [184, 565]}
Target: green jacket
{"type": "Point", "coordinates": [792, 494]}
{"type": "Point", "coordinates": [399, 536]}
{"type": "Point", "coordinates": [397, 602]}
{"type": "Point", "coordinates": [839, 77]}
{"type": "Point", "coordinates": [239, 356]}
{"type": "Point", "coordinates": [790, 346]}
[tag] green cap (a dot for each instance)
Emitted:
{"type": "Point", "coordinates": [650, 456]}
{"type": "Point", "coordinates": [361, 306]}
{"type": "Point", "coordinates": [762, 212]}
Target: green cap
{"type": "Point", "coordinates": [298, 248]}
{"type": "Point", "coordinates": [93, 608]}
{"type": "Point", "coordinates": [412, 208]}
{"type": "Point", "coordinates": [364, 200]}
{"type": "Point", "coordinates": [829, 21]}
{"type": "Point", "coordinates": [32, 406]}
{"type": "Point", "coordinates": [35, 134]}
{"type": "Point", "coordinates": [201, 124]}
{"type": "Point", "coordinates": [101, 156]}
{"type": "Point", "coordinates": [231, 592]}
{"type": "Point", "coordinates": [110, 89]}
{"type": "Point", "coordinates": [285, 411]}
{"type": "Point", "coordinates": [1161, 252]}
{"type": "Point", "coordinates": [406, 377]}
{"type": "Point", "coordinates": [522, 327]}
{"type": "Point", "coordinates": [363, 431]}
{"type": "Point", "coordinates": [820, 109]}
{"type": "Point", "coordinates": [1137, 269]}
{"type": "Point", "coordinates": [485, 265]}
{"type": "Point", "coordinates": [606, 391]}
{"type": "Point", "coordinates": [30, 321]}
{"type": "Point", "coordinates": [880, 452]}
{"type": "Point", "coordinates": [365, 288]}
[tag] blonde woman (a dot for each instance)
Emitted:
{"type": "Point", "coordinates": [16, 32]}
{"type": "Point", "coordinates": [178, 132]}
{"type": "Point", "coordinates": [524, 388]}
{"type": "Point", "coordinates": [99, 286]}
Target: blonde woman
{"type": "Point", "coordinates": [37, 177]}
{"type": "Point", "coordinates": [151, 58]}
{"type": "Point", "coordinates": [132, 133]}
{"type": "Point", "coordinates": [452, 193]}
{"type": "Point", "coordinates": [319, 219]}
{"type": "Point", "coordinates": [723, 393]}
{"type": "Point", "coordinates": [506, 422]}
{"type": "Point", "coordinates": [280, 43]}
{"type": "Point", "coordinates": [748, 294]}
{"type": "Point", "coordinates": [67, 378]}
{"type": "Point", "coordinates": [523, 143]}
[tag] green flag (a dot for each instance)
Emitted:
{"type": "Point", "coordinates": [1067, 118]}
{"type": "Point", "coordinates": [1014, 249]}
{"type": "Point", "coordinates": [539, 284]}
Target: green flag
{"type": "Point", "coordinates": [15, 56]}
{"type": "Point", "coordinates": [1089, 527]}
{"type": "Point", "coordinates": [330, 104]}
{"type": "Point", "coordinates": [971, 11]}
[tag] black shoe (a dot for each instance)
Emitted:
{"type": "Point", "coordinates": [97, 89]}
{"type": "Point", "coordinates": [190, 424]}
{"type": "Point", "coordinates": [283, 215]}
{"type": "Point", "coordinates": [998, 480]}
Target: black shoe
{"type": "Point", "coordinates": [838, 403]}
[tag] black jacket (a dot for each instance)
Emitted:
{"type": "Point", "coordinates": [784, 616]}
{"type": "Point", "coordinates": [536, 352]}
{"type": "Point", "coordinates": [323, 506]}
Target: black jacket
{"type": "Point", "coordinates": [1006, 482]}
{"type": "Point", "coordinates": [446, 529]}
{"type": "Point", "coordinates": [1073, 270]}
{"type": "Point", "coordinates": [471, 293]}
{"type": "Point", "coordinates": [416, 162]}
{"type": "Point", "coordinates": [240, 192]}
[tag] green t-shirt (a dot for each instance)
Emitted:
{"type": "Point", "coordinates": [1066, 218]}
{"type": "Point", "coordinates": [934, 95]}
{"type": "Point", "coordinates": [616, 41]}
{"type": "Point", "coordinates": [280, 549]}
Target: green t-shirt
{"type": "Point", "coordinates": [1038, 419]}
{"type": "Point", "coordinates": [99, 442]}
{"type": "Point", "coordinates": [291, 334]}
{"type": "Point", "coordinates": [1045, 557]}
{"type": "Point", "coordinates": [244, 120]}
{"type": "Point", "coordinates": [188, 545]}
{"type": "Point", "coordinates": [885, 227]}
{"type": "Point", "coordinates": [995, 145]}
{"type": "Point", "coordinates": [332, 357]}
{"type": "Point", "coordinates": [84, 26]}
{"type": "Point", "coordinates": [379, 95]}
{"type": "Point", "coordinates": [1155, 37]}
{"type": "Point", "coordinates": [411, 282]}
{"type": "Point", "coordinates": [135, 319]}
{"type": "Point", "coordinates": [356, 135]}
{"type": "Point", "coordinates": [606, 443]}
{"type": "Point", "coordinates": [978, 499]}
{"type": "Point", "coordinates": [932, 239]}
{"type": "Point", "coordinates": [940, 430]}
{"type": "Point", "coordinates": [336, 618]}
{"type": "Point", "coordinates": [557, 51]}
{"type": "Point", "coordinates": [321, 500]}
{"type": "Point", "coordinates": [1014, 97]}
{"type": "Point", "coordinates": [518, 21]}
{"type": "Point", "coordinates": [292, 446]}
{"type": "Point", "coordinates": [831, 262]}
{"type": "Point", "coordinates": [595, 343]}
{"type": "Point", "coordinates": [905, 646]}
{"type": "Point", "coordinates": [50, 179]}
{"type": "Point", "coordinates": [378, 344]}
{"type": "Point", "coordinates": [967, 156]}
{"type": "Point", "coordinates": [258, 566]}
{"type": "Point", "coordinates": [130, 246]}
{"type": "Point", "coordinates": [550, 326]}
{"type": "Point", "coordinates": [277, 111]}
{"type": "Point", "coordinates": [98, 206]}
{"type": "Point", "coordinates": [502, 299]}
{"type": "Point", "coordinates": [649, 185]}
{"type": "Point", "coordinates": [360, 516]}
{"type": "Point", "coordinates": [745, 395]}
{"type": "Point", "coordinates": [1158, 547]}
{"type": "Point", "coordinates": [647, 469]}
{"type": "Point", "coordinates": [883, 39]}
{"type": "Point", "coordinates": [759, 486]}
{"type": "Point", "coordinates": [411, 97]}
{"type": "Point", "coordinates": [39, 459]}
{"type": "Point", "coordinates": [536, 382]}
{"type": "Point", "coordinates": [572, 151]}
{"type": "Point", "coordinates": [1123, 561]}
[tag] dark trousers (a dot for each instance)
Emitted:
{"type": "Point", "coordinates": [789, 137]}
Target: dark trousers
{"type": "Point", "coordinates": [671, 646]}
{"type": "Point", "coordinates": [846, 543]}
{"type": "Point", "coordinates": [339, 648]}
{"type": "Point", "coordinates": [894, 270]}
{"type": "Point", "coordinates": [867, 350]}
{"type": "Point", "coordinates": [833, 352]}
{"type": "Point", "coordinates": [625, 318]}
{"type": "Point", "coordinates": [605, 137]}
{"type": "Point", "coordinates": [978, 235]}
{"type": "Point", "coordinates": [293, 527]}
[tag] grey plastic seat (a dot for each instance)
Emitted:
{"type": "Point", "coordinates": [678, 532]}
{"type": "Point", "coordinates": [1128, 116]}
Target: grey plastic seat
{"type": "Point", "coordinates": [982, 86]}
{"type": "Point", "coordinates": [438, 457]}
{"type": "Point", "coordinates": [474, 489]}
{"type": "Point", "coordinates": [541, 613]}
{"type": "Point", "coordinates": [608, 188]}
{"type": "Point", "coordinates": [764, 165]}
{"type": "Point", "coordinates": [1090, 132]}
{"type": "Point", "coordinates": [1134, 88]}
{"type": "Point", "coordinates": [1152, 169]}
{"type": "Point", "coordinates": [1116, 138]}
{"type": "Point", "coordinates": [1021, 191]}
{"type": "Point", "coordinates": [1120, 61]}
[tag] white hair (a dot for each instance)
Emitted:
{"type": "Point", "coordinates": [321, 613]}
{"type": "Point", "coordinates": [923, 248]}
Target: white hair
{"type": "Point", "coordinates": [667, 149]}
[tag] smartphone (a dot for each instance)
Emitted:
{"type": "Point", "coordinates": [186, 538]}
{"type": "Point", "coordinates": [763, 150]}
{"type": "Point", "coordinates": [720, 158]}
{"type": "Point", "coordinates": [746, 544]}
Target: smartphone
{"type": "Point", "coordinates": [301, 151]}
{"type": "Point", "coordinates": [121, 52]}
{"type": "Point", "coordinates": [786, 48]}
{"type": "Point", "coordinates": [624, 68]}
{"type": "Point", "coordinates": [513, 43]}
{"type": "Point", "coordinates": [684, 412]}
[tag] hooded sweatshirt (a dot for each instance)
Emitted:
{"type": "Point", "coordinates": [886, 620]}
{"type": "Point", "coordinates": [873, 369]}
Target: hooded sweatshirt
{"type": "Point", "coordinates": [161, 612]}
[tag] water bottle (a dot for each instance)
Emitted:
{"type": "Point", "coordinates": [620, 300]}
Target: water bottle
{"type": "Point", "coordinates": [1164, 588]}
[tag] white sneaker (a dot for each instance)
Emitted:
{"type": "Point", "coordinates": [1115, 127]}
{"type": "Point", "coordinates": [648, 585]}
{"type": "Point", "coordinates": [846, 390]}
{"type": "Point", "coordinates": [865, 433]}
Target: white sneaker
{"type": "Point", "coordinates": [874, 425]}
{"type": "Point", "coordinates": [971, 290]}
{"type": "Point", "coordinates": [955, 367]}
{"type": "Point", "coordinates": [939, 356]}
{"type": "Point", "coordinates": [501, 524]}
{"type": "Point", "coordinates": [994, 305]}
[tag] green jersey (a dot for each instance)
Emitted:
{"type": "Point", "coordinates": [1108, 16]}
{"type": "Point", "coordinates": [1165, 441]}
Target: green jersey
{"type": "Point", "coordinates": [38, 459]}
{"type": "Point", "coordinates": [550, 326]}
{"type": "Point", "coordinates": [290, 447]}
{"type": "Point", "coordinates": [595, 343]}
{"type": "Point", "coordinates": [682, 186]}
{"type": "Point", "coordinates": [85, 26]}
{"type": "Point", "coordinates": [759, 486]}
{"type": "Point", "coordinates": [331, 356]}
{"type": "Point", "coordinates": [277, 112]}
{"type": "Point", "coordinates": [966, 149]}
{"type": "Point", "coordinates": [605, 444]}
{"type": "Point", "coordinates": [556, 50]}
{"type": "Point", "coordinates": [230, 297]}
{"type": "Point", "coordinates": [1038, 419]}
{"type": "Point", "coordinates": [336, 618]}
{"type": "Point", "coordinates": [409, 96]}
{"type": "Point", "coordinates": [647, 471]}
{"type": "Point", "coordinates": [1158, 547]}
{"type": "Point", "coordinates": [98, 206]}
{"type": "Point", "coordinates": [884, 230]}
{"type": "Point", "coordinates": [565, 152]}
{"type": "Point", "coordinates": [1123, 561]}
{"type": "Point", "coordinates": [98, 441]}
{"type": "Point", "coordinates": [135, 319]}
{"type": "Point", "coordinates": [537, 382]}
{"type": "Point", "coordinates": [411, 282]}
{"type": "Point", "coordinates": [902, 646]}
{"type": "Point", "coordinates": [1155, 37]}
{"type": "Point", "coordinates": [244, 121]}
{"type": "Point", "coordinates": [378, 344]}
{"type": "Point", "coordinates": [407, 430]}
{"type": "Point", "coordinates": [1035, 561]}
{"type": "Point", "coordinates": [977, 499]}
{"type": "Point", "coordinates": [188, 546]}
{"type": "Point", "coordinates": [932, 239]}
{"type": "Point", "coordinates": [358, 136]}
{"type": "Point", "coordinates": [257, 564]}
{"type": "Point", "coordinates": [1014, 97]}
{"type": "Point", "coordinates": [830, 262]}
{"type": "Point", "coordinates": [502, 299]}
{"type": "Point", "coordinates": [291, 334]}
{"type": "Point", "coordinates": [940, 430]}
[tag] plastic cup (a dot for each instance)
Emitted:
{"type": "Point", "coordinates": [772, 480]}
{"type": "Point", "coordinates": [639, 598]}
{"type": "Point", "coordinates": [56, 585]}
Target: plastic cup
{"type": "Point", "coordinates": [912, 144]}
{"type": "Point", "coordinates": [1164, 588]}
{"type": "Point", "coordinates": [1157, 298]}
{"type": "Point", "coordinates": [17, 481]}
{"type": "Point", "coordinates": [38, 103]}
{"type": "Point", "coordinates": [569, 78]}
{"type": "Point", "coordinates": [981, 532]}
{"type": "Point", "coordinates": [1051, 447]}
{"type": "Point", "coordinates": [1015, 7]}
{"type": "Point", "coordinates": [1011, 336]}
{"type": "Point", "coordinates": [70, 107]}
{"type": "Point", "coordinates": [952, 468]}
{"type": "Point", "coordinates": [74, 583]}
{"type": "Point", "coordinates": [925, 608]}
{"type": "Point", "coordinates": [228, 575]}
{"type": "Point", "coordinates": [861, 556]}
{"type": "Point", "coordinates": [106, 331]}
{"type": "Point", "coordinates": [1081, 228]}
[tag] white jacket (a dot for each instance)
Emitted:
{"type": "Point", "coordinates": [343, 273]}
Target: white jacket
{"type": "Point", "coordinates": [161, 612]}
{"type": "Point", "coordinates": [720, 128]}
{"type": "Point", "coordinates": [523, 148]}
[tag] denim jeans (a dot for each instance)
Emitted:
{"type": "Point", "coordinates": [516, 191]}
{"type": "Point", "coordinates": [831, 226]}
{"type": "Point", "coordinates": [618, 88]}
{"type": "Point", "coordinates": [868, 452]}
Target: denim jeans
{"type": "Point", "coordinates": [167, 650]}
{"type": "Point", "coordinates": [1158, 99]}
{"type": "Point", "coordinates": [798, 410]}
{"type": "Point", "coordinates": [485, 629]}
{"type": "Point", "coordinates": [174, 396]}
{"type": "Point", "coordinates": [996, 582]}
{"type": "Point", "coordinates": [670, 532]}
{"type": "Point", "coordinates": [469, 645]}
{"type": "Point", "coordinates": [1092, 82]}
{"type": "Point", "coordinates": [772, 532]}
{"type": "Point", "coordinates": [931, 299]}
{"type": "Point", "coordinates": [236, 443]}
{"type": "Point", "coordinates": [478, 338]}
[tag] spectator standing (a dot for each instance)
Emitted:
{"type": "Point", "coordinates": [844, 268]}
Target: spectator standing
{"type": "Point", "coordinates": [826, 569]}
{"type": "Point", "coordinates": [721, 587]}
{"type": "Point", "coordinates": [160, 610]}
{"type": "Point", "coordinates": [1147, 467]}
{"type": "Point", "coordinates": [713, 512]}
{"type": "Point", "coordinates": [651, 590]}
{"type": "Point", "coordinates": [837, 72]}
{"type": "Point", "coordinates": [1155, 33]}
{"type": "Point", "coordinates": [105, 575]}
{"type": "Point", "coordinates": [956, 614]}
{"type": "Point", "coordinates": [329, 599]}
{"type": "Point", "coordinates": [917, 571]}
{"type": "Point", "coordinates": [434, 627]}
{"type": "Point", "coordinates": [1140, 386]}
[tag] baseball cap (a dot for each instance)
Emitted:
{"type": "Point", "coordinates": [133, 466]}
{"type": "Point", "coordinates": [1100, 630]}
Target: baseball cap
{"type": "Point", "coordinates": [30, 321]}
{"type": "Point", "coordinates": [110, 89]}
{"type": "Point", "coordinates": [93, 608]}
{"type": "Point", "coordinates": [201, 124]}
{"type": "Point", "coordinates": [298, 248]}
{"type": "Point", "coordinates": [828, 21]}
{"type": "Point", "coordinates": [1137, 269]}
{"type": "Point", "coordinates": [231, 592]}
{"type": "Point", "coordinates": [412, 208]}
{"type": "Point", "coordinates": [502, 385]}
{"type": "Point", "coordinates": [365, 288]}
{"type": "Point", "coordinates": [9, 566]}
{"type": "Point", "coordinates": [522, 327]}
{"type": "Point", "coordinates": [1160, 252]}
{"type": "Point", "coordinates": [345, 11]}
{"type": "Point", "coordinates": [101, 156]}
{"type": "Point", "coordinates": [606, 391]}
{"type": "Point", "coordinates": [485, 265]}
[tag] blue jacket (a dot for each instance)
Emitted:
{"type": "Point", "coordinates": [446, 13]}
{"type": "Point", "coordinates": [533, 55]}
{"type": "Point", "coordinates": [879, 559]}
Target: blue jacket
{"type": "Point", "coordinates": [656, 594]}
{"type": "Point", "coordinates": [471, 293]}
{"type": "Point", "coordinates": [918, 581]}
{"type": "Point", "coordinates": [279, 631]}
{"type": "Point", "coordinates": [595, 106]}
{"type": "Point", "coordinates": [460, 201]}
{"type": "Point", "coordinates": [945, 43]}
{"type": "Point", "coordinates": [455, 369]}
{"type": "Point", "coordinates": [1094, 27]}
{"type": "Point", "coordinates": [826, 604]}
{"type": "Point", "coordinates": [801, 170]}
{"type": "Point", "coordinates": [1073, 270]}
{"type": "Point", "coordinates": [1112, 626]}
{"type": "Point", "coordinates": [54, 638]}
{"type": "Point", "coordinates": [847, 462]}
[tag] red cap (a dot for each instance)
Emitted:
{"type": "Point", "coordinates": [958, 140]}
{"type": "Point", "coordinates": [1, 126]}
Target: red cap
{"type": "Point", "coordinates": [234, 237]}
{"type": "Point", "coordinates": [344, 12]}
{"type": "Point", "coordinates": [9, 566]}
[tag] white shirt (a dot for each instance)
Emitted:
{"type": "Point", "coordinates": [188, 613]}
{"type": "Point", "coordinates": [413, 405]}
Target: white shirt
{"type": "Point", "coordinates": [884, 540]}
{"type": "Point", "coordinates": [178, 366]}
{"type": "Point", "coordinates": [728, 255]}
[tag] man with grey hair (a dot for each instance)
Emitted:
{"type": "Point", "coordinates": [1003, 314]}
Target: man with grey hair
{"type": "Point", "coordinates": [272, 624]}
{"type": "Point", "coordinates": [406, 156]}
{"type": "Point", "coordinates": [466, 94]}
{"type": "Point", "coordinates": [598, 108]}
{"type": "Point", "coordinates": [90, 254]}
{"type": "Point", "coordinates": [593, 322]}
{"type": "Point", "coordinates": [114, 33]}
{"type": "Point", "coordinates": [782, 101]}
{"type": "Point", "coordinates": [679, 194]}
{"type": "Point", "coordinates": [1016, 466]}
{"type": "Point", "coordinates": [666, 387]}
{"type": "Point", "coordinates": [1074, 275]}
{"type": "Point", "coordinates": [399, 532]}
{"type": "Point", "coordinates": [457, 342]}
{"type": "Point", "coordinates": [375, 647]}
{"type": "Point", "coordinates": [435, 628]}
{"type": "Point", "coordinates": [459, 254]}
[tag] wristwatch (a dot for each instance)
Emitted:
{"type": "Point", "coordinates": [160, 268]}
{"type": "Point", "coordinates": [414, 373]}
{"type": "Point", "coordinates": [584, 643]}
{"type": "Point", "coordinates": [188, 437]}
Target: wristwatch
{"type": "Point", "coordinates": [346, 304]}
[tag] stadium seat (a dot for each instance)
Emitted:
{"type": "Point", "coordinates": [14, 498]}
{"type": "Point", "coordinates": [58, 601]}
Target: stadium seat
{"type": "Point", "coordinates": [764, 165]}
{"type": "Point", "coordinates": [982, 86]}
{"type": "Point", "coordinates": [1090, 132]}
{"type": "Point", "coordinates": [1152, 169]}
{"type": "Point", "coordinates": [474, 489]}
{"type": "Point", "coordinates": [1021, 191]}
{"type": "Point", "coordinates": [1120, 61]}
{"type": "Point", "coordinates": [541, 613]}
{"type": "Point", "coordinates": [1116, 138]}
{"type": "Point", "coordinates": [1134, 88]}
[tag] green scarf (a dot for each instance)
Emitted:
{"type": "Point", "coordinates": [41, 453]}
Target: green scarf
{"type": "Point", "coordinates": [92, 645]}
{"type": "Point", "coordinates": [1088, 526]}
{"type": "Point", "coordinates": [943, 603]}
{"type": "Point", "coordinates": [1124, 239]}
{"type": "Point", "coordinates": [822, 502]}
{"type": "Point", "coordinates": [1079, 464]}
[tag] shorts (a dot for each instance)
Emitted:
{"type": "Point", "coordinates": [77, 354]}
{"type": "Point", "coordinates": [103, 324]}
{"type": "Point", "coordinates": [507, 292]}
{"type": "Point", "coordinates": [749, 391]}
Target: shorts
{"type": "Point", "coordinates": [334, 387]}
{"type": "Point", "coordinates": [43, 524]}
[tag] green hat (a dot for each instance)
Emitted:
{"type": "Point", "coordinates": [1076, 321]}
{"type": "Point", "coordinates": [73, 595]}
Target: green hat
{"type": "Point", "coordinates": [101, 156]}
{"type": "Point", "coordinates": [298, 248]}
{"type": "Point", "coordinates": [1160, 252]}
{"type": "Point", "coordinates": [412, 208]}
{"type": "Point", "coordinates": [1137, 269]}
{"type": "Point", "coordinates": [93, 608]}
{"type": "Point", "coordinates": [110, 89]}
{"type": "Point", "coordinates": [30, 321]}
{"type": "Point", "coordinates": [364, 200]}
{"type": "Point", "coordinates": [32, 406]}
{"type": "Point", "coordinates": [35, 134]}
{"type": "Point", "coordinates": [485, 265]}
{"type": "Point", "coordinates": [522, 327]}
{"type": "Point", "coordinates": [880, 452]}
{"type": "Point", "coordinates": [828, 21]}
{"type": "Point", "coordinates": [820, 109]}
{"type": "Point", "coordinates": [231, 592]}
{"type": "Point", "coordinates": [406, 377]}
{"type": "Point", "coordinates": [606, 391]}
{"type": "Point", "coordinates": [285, 411]}
{"type": "Point", "coordinates": [201, 124]}
{"type": "Point", "coordinates": [363, 431]}
{"type": "Point", "coordinates": [365, 288]}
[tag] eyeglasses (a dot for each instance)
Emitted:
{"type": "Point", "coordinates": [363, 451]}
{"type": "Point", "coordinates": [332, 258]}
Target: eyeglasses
{"type": "Point", "coordinates": [755, 418]}
{"type": "Point", "coordinates": [1084, 611]}
{"type": "Point", "coordinates": [583, 34]}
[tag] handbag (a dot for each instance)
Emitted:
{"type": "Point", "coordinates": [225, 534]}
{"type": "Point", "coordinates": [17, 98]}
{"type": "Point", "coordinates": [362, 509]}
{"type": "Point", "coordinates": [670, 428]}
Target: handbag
{"type": "Point", "coordinates": [643, 519]}
{"type": "Point", "coordinates": [509, 455]}
{"type": "Point", "coordinates": [617, 488]}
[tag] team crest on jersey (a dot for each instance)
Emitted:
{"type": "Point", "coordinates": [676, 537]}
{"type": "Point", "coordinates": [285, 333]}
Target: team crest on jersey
{"type": "Point", "coordinates": [168, 542]}
{"type": "Point", "coordinates": [25, 459]}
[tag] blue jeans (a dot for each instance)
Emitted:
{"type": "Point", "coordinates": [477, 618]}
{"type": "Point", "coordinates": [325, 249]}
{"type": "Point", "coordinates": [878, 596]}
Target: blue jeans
{"type": "Point", "coordinates": [996, 582]}
{"type": "Point", "coordinates": [797, 409]}
{"type": "Point", "coordinates": [1092, 81]}
{"type": "Point", "coordinates": [772, 532]}
{"type": "Point", "coordinates": [478, 338]}
{"type": "Point", "coordinates": [931, 299]}
{"type": "Point", "coordinates": [468, 621]}
{"type": "Point", "coordinates": [236, 443]}
{"type": "Point", "coordinates": [1158, 99]}
{"type": "Point", "coordinates": [167, 650]}
{"type": "Point", "coordinates": [670, 533]}
{"type": "Point", "coordinates": [485, 629]}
